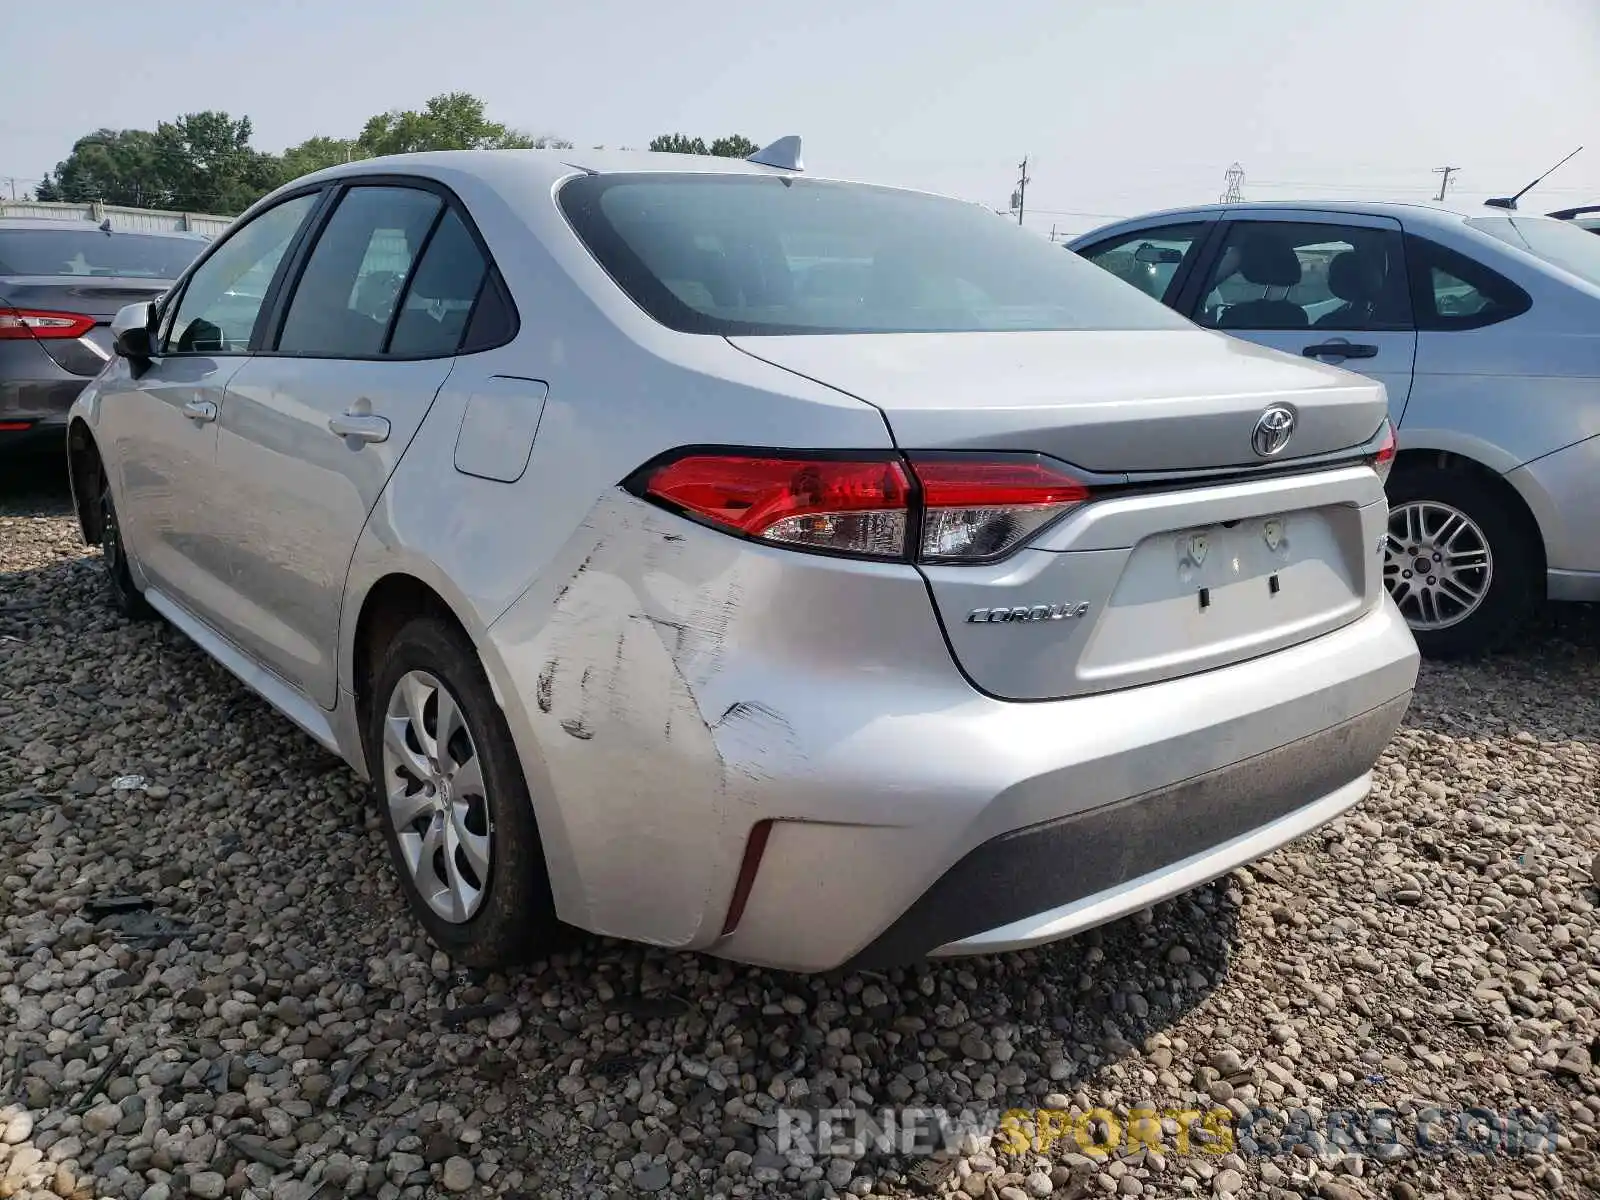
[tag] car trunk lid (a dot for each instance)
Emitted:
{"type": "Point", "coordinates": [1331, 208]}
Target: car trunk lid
{"type": "Point", "coordinates": [1193, 551]}
{"type": "Point", "coordinates": [1102, 400]}
{"type": "Point", "coordinates": [100, 297]}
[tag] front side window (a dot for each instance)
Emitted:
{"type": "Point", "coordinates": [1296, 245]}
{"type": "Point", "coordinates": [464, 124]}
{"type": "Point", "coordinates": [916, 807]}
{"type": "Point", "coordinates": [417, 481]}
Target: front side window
{"type": "Point", "coordinates": [1282, 275]}
{"type": "Point", "coordinates": [351, 284]}
{"type": "Point", "coordinates": [761, 254]}
{"type": "Point", "coordinates": [1148, 259]}
{"type": "Point", "coordinates": [217, 311]}
{"type": "Point", "coordinates": [1560, 243]}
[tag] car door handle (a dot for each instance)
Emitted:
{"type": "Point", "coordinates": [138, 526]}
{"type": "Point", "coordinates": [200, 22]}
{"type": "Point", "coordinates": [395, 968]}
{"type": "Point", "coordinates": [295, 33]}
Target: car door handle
{"type": "Point", "coordinates": [360, 427]}
{"type": "Point", "coordinates": [1340, 350]}
{"type": "Point", "coordinates": [200, 411]}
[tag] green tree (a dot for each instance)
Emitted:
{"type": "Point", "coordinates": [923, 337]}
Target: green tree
{"type": "Point", "coordinates": [207, 164]}
{"type": "Point", "coordinates": [454, 121]}
{"type": "Point", "coordinates": [315, 153]}
{"type": "Point", "coordinates": [112, 166]}
{"type": "Point", "coordinates": [734, 145]}
{"type": "Point", "coordinates": [678, 143]}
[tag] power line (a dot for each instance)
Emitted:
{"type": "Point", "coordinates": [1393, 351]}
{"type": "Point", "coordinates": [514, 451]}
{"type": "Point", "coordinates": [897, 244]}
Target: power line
{"type": "Point", "coordinates": [1444, 182]}
{"type": "Point", "coordinates": [1074, 212]}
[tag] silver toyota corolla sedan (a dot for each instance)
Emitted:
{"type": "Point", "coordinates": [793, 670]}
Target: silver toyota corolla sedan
{"type": "Point", "coordinates": [706, 554]}
{"type": "Point", "coordinates": [1484, 326]}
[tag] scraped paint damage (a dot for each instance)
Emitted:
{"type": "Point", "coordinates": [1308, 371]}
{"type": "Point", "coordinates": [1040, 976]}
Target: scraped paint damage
{"type": "Point", "coordinates": [631, 663]}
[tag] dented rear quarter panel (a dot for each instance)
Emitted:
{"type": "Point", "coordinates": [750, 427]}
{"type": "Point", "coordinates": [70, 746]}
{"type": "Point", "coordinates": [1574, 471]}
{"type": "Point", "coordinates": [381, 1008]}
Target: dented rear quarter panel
{"type": "Point", "coordinates": [676, 686]}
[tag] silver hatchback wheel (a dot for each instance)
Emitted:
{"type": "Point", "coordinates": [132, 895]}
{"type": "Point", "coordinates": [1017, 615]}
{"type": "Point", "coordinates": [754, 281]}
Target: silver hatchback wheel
{"type": "Point", "coordinates": [434, 787]}
{"type": "Point", "coordinates": [1437, 565]}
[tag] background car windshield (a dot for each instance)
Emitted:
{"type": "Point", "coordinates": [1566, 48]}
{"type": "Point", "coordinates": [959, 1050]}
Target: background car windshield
{"type": "Point", "coordinates": [81, 252]}
{"type": "Point", "coordinates": [1559, 243]}
{"type": "Point", "coordinates": [754, 254]}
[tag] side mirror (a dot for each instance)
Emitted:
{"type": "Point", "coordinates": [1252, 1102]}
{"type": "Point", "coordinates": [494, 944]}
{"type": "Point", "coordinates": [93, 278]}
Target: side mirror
{"type": "Point", "coordinates": [131, 331]}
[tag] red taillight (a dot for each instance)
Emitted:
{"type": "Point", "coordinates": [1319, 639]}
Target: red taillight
{"type": "Point", "coordinates": [978, 509]}
{"type": "Point", "coordinates": [1383, 460]}
{"type": "Point", "coordinates": [17, 323]}
{"type": "Point", "coordinates": [970, 508]}
{"type": "Point", "coordinates": [847, 506]}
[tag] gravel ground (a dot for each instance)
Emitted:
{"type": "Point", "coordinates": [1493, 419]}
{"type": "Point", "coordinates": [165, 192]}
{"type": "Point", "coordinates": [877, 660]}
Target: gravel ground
{"type": "Point", "coordinates": [259, 1017]}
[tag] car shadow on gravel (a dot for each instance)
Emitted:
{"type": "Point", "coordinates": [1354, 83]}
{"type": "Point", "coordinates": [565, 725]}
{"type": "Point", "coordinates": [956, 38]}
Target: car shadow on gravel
{"type": "Point", "coordinates": [34, 486]}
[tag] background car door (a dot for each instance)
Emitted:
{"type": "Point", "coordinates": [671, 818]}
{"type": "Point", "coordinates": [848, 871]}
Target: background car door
{"type": "Point", "coordinates": [161, 427]}
{"type": "Point", "coordinates": [1329, 286]}
{"type": "Point", "coordinates": [317, 422]}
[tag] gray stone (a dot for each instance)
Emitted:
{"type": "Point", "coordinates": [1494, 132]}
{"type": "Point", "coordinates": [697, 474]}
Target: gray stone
{"type": "Point", "coordinates": [458, 1175]}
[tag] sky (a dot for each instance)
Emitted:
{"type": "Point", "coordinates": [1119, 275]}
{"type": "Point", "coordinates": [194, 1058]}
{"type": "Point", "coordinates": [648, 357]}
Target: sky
{"type": "Point", "coordinates": [1119, 106]}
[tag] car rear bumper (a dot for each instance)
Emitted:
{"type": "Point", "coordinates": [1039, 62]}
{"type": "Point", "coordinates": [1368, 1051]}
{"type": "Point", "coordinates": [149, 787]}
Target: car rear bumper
{"type": "Point", "coordinates": [35, 395]}
{"type": "Point", "coordinates": [773, 757]}
{"type": "Point", "coordinates": [1056, 878]}
{"type": "Point", "coordinates": [41, 435]}
{"type": "Point", "coordinates": [1094, 808]}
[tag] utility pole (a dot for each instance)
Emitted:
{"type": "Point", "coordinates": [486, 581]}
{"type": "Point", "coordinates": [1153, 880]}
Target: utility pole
{"type": "Point", "coordinates": [1444, 173]}
{"type": "Point", "coordinates": [1020, 196]}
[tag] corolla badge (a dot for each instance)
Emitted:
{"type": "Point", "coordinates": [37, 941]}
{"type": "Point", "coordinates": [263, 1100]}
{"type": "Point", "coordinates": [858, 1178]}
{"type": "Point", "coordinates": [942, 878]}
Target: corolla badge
{"type": "Point", "coordinates": [1071, 610]}
{"type": "Point", "coordinates": [1273, 430]}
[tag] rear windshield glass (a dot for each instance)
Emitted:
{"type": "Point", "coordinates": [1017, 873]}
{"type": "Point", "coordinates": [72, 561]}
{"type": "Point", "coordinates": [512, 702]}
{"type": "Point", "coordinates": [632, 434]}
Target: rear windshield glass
{"type": "Point", "coordinates": [756, 254]}
{"type": "Point", "coordinates": [86, 252]}
{"type": "Point", "coordinates": [1559, 243]}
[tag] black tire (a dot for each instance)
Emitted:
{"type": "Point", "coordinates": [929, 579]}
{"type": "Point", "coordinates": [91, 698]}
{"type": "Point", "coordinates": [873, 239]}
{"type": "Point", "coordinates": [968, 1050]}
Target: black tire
{"type": "Point", "coordinates": [1514, 588]}
{"type": "Point", "coordinates": [515, 919]}
{"type": "Point", "coordinates": [123, 596]}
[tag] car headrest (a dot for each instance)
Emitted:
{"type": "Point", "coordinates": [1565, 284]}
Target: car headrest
{"type": "Point", "coordinates": [1265, 261]}
{"type": "Point", "coordinates": [1355, 278]}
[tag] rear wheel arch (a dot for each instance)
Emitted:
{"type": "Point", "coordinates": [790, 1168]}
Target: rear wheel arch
{"type": "Point", "coordinates": [85, 471]}
{"type": "Point", "coordinates": [1491, 548]}
{"type": "Point", "coordinates": [1494, 483]}
{"type": "Point", "coordinates": [405, 624]}
{"type": "Point", "coordinates": [388, 604]}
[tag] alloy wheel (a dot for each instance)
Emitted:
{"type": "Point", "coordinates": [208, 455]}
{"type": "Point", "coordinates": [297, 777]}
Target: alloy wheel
{"type": "Point", "coordinates": [1438, 564]}
{"type": "Point", "coordinates": [434, 787]}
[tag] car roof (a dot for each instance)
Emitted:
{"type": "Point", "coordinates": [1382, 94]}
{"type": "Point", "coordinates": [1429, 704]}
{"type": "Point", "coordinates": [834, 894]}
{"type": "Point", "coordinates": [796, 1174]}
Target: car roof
{"type": "Point", "coordinates": [547, 167]}
{"type": "Point", "coordinates": [1413, 212]}
{"type": "Point", "coordinates": [77, 225]}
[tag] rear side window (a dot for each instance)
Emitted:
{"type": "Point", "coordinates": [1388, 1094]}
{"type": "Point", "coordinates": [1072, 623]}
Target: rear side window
{"type": "Point", "coordinates": [439, 301]}
{"type": "Point", "coordinates": [1451, 291]}
{"type": "Point", "coordinates": [351, 286]}
{"type": "Point", "coordinates": [1150, 258]}
{"type": "Point", "coordinates": [494, 317]}
{"type": "Point", "coordinates": [762, 254]}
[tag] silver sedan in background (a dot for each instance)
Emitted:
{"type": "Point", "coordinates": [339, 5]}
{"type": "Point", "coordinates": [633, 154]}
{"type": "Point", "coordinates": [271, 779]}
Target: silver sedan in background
{"type": "Point", "coordinates": [1484, 326]}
